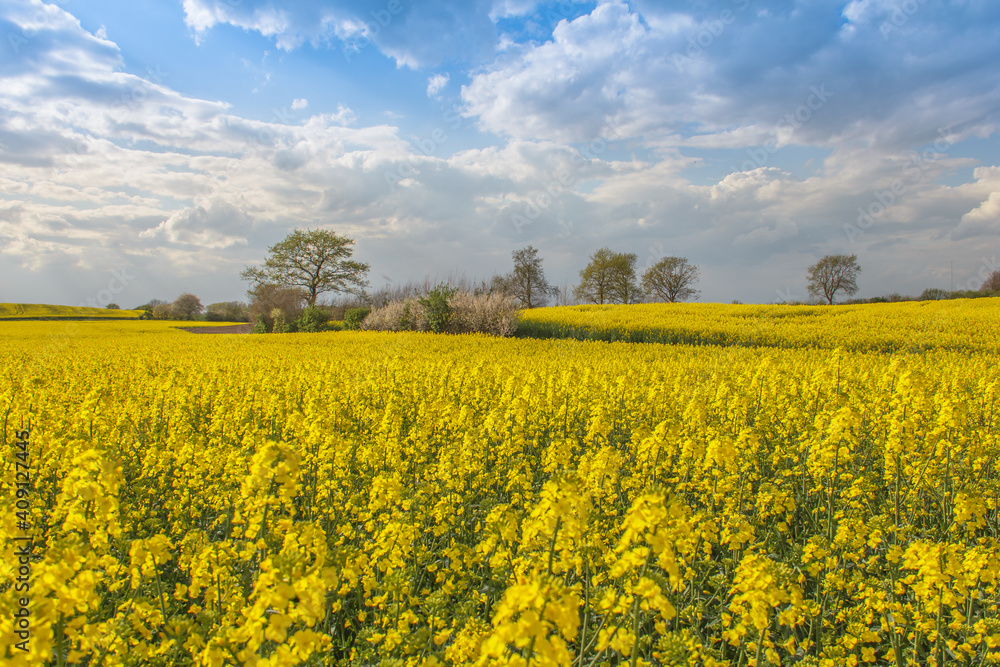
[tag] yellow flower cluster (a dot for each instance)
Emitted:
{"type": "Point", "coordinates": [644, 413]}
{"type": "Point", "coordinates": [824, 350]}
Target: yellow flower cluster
{"type": "Point", "coordinates": [407, 499]}
{"type": "Point", "coordinates": [958, 324]}
{"type": "Point", "coordinates": [38, 310]}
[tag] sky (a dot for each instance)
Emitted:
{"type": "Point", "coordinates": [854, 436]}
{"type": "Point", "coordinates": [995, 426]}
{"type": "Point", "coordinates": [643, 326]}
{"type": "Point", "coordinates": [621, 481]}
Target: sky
{"type": "Point", "coordinates": [157, 147]}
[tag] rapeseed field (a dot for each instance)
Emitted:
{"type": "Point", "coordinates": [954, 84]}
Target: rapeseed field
{"type": "Point", "coordinates": [405, 499]}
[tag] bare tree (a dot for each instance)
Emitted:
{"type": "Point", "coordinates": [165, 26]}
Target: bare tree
{"type": "Point", "coordinates": [671, 279]}
{"type": "Point", "coordinates": [992, 283]}
{"type": "Point", "coordinates": [565, 295]}
{"type": "Point", "coordinates": [527, 282]}
{"type": "Point", "coordinates": [315, 261]}
{"type": "Point", "coordinates": [832, 274]}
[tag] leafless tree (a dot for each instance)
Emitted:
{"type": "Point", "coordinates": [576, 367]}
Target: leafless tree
{"type": "Point", "coordinates": [832, 274]}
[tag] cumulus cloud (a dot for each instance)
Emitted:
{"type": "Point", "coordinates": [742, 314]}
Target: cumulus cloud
{"type": "Point", "coordinates": [413, 34]}
{"type": "Point", "coordinates": [221, 225]}
{"type": "Point", "coordinates": [984, 220]}
{"type": "Point", "coordinates": [698, 70]}
{"type": "Point", "coordinates": [436, 84]}
{"type": "Point", "coordinates": [104, 169]}
{"type": "Point", "coordinates": [299, 103]}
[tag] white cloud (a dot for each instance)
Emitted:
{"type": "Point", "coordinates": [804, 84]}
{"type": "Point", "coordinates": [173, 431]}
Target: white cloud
{"type": "Point", "coordinates": [984, 220]}
{"type": "Point", "coordinates": [221, 225]}
{"type": "Point", "coordinates": [712, 75]}
{"type": "Point", "coordinates": [768, 234]}
{"type": "Point", "coordinates": [413, 34]}
{"type": "Point", "coordinates": [436, 84]}
{"type": "Point", "coordinates": [102, 168]}
{"type": "Point", "coordinates": [299, 103]}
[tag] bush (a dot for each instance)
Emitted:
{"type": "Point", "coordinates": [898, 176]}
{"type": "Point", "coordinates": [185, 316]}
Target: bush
{"type": "Point", "coordinates": [264, 299]}
{"type": "Point", "coordinates": [495, 314]}
{"type": "Point", "coordinates": [396, 316]}
{"type": "Point", "coordinates": [437, 310]}
{"type": "Point", "coordinates": [227, 311]}
{"type": "Point", "coordinates": [163, 311]}
{"type": "Point", "coordinates": [278, 324]}
{"type": "Point", "coordinates": [354, 317]}
{"type": "Point", "coordinates": [934, 294]}
{"type": "Point", "coordinates": [312, 320]}
{"type": "Point", "coordinates": [259, 326]}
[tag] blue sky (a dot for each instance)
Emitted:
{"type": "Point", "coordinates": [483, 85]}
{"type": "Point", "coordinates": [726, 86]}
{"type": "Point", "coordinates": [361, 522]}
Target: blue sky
{"type": "Point", "coordinates": [152, 148]}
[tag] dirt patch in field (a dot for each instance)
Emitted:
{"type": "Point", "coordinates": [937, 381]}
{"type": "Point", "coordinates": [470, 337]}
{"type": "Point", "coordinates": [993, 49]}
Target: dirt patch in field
{"type": "Point", "coordinates": [230, 329]}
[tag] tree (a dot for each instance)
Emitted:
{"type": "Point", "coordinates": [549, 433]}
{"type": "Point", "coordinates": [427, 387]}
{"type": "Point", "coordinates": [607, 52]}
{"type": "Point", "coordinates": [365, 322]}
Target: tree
{"type": "Point", "coordinates": [113, 306]}
{"type": "Point", "coordinates": [992, 283]}
{"type": "Point", "coordinates": [832, 274]}
{"type": "Point", "coordinates": [671, 279]}
{"type": "Point", "coordinates": [163, 311]}
{"type": "Point", "coordinates": [315, 261]}
{"type": "Point", "coordinates": [497, 285]}
{"type": "Point", "coordinates": [226, 311]}
{"type": "Point", "coordinates": [186, 306]}
{"type": "Point", "coordinates": [934, 294]}
{"type": "Point", "coordinates": [609, 278]}
{"type": "Point", "coordinates": [265, 298]}
{"type": "Point", "coordinates": [527, 282]}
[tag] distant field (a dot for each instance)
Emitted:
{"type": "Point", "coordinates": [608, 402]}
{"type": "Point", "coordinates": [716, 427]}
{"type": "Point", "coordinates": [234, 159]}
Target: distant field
{"type": "Point", "coordinates": [960, 324]}
{"type": "Point", "coordinates": [16, 311]}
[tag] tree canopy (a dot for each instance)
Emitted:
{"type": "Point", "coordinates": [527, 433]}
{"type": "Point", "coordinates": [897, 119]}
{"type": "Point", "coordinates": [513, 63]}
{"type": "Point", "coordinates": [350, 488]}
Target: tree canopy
{"type": "Point", "coordinates": [609, 278]}
{"type": "Point", "coordinates": [187, 306]}
{"type": "Point", "coordinates": [315, 261]}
